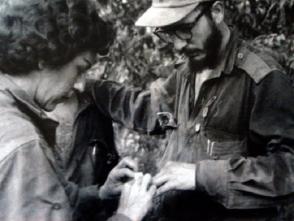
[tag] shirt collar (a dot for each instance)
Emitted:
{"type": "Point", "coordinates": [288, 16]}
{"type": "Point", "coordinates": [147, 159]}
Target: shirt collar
{"type": "Point", "coordinates": [29, 107]}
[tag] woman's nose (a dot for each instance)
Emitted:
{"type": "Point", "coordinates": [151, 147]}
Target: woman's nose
{"type": "Point", "coordinates": [80, 84]}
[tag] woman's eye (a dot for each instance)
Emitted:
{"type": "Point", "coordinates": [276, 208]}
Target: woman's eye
{"type": "Point", "coordinates": [86, 65]}
{"type": "Point", "coordinates": [82, 68]}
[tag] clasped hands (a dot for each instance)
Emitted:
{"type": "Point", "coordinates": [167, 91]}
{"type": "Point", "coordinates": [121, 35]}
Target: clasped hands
{"type": "Point", "coordinates": [137, 190]}
{"type": "Point", "coordinates": [173, 176]}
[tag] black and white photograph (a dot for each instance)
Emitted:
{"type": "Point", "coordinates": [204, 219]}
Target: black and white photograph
{"type": "Point", "coordinates": [146, 110]}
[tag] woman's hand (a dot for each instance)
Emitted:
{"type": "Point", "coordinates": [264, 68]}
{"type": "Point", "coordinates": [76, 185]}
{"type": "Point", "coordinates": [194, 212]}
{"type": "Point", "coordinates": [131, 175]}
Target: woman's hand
{"type": "Point", "coordinates": [136, 197]}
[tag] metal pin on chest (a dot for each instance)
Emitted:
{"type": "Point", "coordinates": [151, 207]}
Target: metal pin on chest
{"type": "Point", "coordinates": [206, 107]}
{"type": "Point", "coordinates": [197, 127]}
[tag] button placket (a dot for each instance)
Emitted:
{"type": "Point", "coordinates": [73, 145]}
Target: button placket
{"type": "Point", "coordinates": [205, 111]}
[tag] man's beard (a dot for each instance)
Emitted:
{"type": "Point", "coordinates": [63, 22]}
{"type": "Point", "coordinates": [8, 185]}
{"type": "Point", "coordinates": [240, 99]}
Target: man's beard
{"type": "Point", "coordinates": [212, 47]}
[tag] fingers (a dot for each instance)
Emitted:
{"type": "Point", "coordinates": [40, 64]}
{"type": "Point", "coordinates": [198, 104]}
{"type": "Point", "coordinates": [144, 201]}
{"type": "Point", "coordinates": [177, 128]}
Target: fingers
{"type": "Point", "coordinates": [136, 200]}
{"type": "Point", "coordinates": [166, 187]}
{"type": "Point", "coordinates": [138, 179]}
{"type": "Point", "coordinates": [146, 180]}
{"type": "Point", "coordinates": [125, 173]}
{"type": "Point", "coordinates": [163, 182]}
{"type": "Point", "coordinates": [125, 193]}
{"type": "Point", "coordinates": [142, 182]}
{"type": "Point", "coordinates": [126, 190]}
{"type": "Point", "coordinates": [160, 179]}
{"type": "Point", "coordinates": [152, 190]}
{"type": "Point", "coordinates": [128, 162]}
{"type": "Point", "coordinates": [135, 185]}
{"type": "Point", "coordinates": [162, 176]}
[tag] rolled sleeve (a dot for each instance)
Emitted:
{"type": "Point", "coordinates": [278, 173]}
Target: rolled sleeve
{"type": "Point", "coordinates": [211, 178]}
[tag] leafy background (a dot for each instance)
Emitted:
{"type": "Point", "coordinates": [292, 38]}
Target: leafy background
{"type": "Point", "coordinates": [138, 58]}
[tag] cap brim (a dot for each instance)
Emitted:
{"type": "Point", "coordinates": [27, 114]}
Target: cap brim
{"type": "Point", "coordinates": [159, 17]}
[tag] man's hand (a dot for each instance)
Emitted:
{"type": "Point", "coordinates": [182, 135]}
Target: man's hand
{"type": "Point", "coordinates": [123, 172]}
{"type": "Point", "coordinates": [136, 197]}
{"type": "Point", "coordinates": [175, 176]}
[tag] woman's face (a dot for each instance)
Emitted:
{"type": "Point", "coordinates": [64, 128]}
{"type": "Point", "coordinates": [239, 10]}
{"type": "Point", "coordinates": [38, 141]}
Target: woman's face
{"type": "Point", "coordinates": [58, 84]}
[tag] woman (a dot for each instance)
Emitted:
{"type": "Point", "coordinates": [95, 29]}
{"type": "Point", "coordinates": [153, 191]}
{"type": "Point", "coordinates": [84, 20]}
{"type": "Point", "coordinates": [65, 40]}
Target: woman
{"type": "Point", "coordinates": [45, 46]}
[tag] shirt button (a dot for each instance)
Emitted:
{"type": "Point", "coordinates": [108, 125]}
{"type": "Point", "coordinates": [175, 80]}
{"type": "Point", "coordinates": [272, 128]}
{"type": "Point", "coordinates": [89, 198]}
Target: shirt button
{"type": "Point", "coordinates": [240, 55]}
{"type": "Point", "coordinates": [56, 206]}
{"type": "Point", "coordinates": [197, 127]}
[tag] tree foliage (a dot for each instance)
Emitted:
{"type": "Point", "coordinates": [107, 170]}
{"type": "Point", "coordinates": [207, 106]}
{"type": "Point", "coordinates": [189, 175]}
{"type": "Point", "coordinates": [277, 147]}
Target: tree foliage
{"type": "Point", "coordinates": [138, 57]}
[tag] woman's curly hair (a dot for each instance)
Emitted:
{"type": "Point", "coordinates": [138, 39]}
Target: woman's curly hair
{"type": "Point", "coordinates": [48, 31]}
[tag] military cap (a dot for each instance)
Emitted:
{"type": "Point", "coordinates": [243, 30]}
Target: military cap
{"type": "Point", "coordinates": [167, 12]}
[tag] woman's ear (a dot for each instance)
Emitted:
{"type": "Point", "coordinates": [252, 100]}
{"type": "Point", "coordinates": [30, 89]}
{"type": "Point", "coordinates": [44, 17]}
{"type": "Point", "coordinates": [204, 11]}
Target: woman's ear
{"type": "Point", "coordinates": [218, 12]}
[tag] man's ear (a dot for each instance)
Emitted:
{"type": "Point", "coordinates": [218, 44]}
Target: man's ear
{"type": "Point", "coordinates": [218, 12]}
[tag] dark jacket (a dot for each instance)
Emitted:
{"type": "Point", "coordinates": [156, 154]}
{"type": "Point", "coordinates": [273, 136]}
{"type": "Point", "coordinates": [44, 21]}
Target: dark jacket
{"type": "Point", "coordinates": [239, 133]}
{"type": "Point", "coordinates": [91, 157]}
{"type": "Point", "coordinates": [34, 183]}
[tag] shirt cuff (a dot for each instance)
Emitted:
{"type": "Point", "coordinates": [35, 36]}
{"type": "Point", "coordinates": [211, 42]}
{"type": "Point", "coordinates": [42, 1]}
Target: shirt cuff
{"type": "Point", "coordinates": [211, 178]}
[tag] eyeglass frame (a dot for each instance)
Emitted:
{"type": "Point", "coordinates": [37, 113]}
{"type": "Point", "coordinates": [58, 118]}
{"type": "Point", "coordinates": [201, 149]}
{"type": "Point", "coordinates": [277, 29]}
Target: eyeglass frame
{"type": "Point", "coordinates": [173, 30]}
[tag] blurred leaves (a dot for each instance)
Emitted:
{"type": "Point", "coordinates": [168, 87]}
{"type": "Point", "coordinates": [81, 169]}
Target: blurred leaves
{"type": "Point", "coordinates": [138, 57]}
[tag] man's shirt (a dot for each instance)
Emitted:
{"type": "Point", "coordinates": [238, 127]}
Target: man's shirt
{"type": "Point", "coordinates": [239, 132]}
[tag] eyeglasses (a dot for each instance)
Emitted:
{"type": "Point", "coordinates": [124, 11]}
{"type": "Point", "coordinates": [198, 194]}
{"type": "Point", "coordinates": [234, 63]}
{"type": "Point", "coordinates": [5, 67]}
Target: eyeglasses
{"type": "Point", "coordinates": [181, 31]}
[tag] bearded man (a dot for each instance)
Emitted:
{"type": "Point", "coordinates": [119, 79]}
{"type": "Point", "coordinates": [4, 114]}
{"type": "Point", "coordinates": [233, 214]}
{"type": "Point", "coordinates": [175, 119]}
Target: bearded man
{"type": "Point", "coordinates": [230, 111]}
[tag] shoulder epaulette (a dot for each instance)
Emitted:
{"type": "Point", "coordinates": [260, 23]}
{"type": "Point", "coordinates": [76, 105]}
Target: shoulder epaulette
{"type": "Point", "coordinates": [256, 63]}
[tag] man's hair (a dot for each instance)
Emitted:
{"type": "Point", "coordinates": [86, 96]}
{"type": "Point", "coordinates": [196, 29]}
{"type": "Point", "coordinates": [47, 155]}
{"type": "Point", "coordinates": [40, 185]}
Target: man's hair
{"type": "Point", "coordinates": [52, 32]}
{"type": "Point", "coordinates": [207, 6]}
